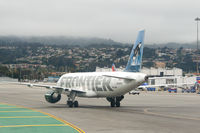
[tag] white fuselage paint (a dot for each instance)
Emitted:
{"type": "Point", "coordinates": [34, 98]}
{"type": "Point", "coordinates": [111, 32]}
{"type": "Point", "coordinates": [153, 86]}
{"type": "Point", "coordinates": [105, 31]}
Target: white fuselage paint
{"type": "Point", "coordinates": [101, 84]}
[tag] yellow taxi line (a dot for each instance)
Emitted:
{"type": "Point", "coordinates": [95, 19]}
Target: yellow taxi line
{"type": "Point", "coordinates": [63, 121]}
{"type": "Point", "coordinates": [26, 117]}
{"type": "Point", "coordinates": [8, 107]}
{"type": "Point", "coordinates": [19, 111]}
{"type": "Point", "coordinates": [34, 125]}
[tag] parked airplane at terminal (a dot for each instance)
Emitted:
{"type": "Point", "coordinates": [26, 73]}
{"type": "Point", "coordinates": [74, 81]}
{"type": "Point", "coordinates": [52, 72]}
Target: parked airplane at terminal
{"type": "Point", "coordinates": [111, 85]}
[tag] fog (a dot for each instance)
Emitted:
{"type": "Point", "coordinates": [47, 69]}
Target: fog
{"type": "Point", "coordinates": [119, 20]}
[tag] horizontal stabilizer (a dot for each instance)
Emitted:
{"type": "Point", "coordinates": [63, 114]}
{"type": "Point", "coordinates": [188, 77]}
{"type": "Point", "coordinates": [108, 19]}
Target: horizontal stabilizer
{"type": "Point", "coordinates": [119, 77]}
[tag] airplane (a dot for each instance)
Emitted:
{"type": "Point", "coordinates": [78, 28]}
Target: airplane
{"type": "Point", "coordinates": [110, 85]}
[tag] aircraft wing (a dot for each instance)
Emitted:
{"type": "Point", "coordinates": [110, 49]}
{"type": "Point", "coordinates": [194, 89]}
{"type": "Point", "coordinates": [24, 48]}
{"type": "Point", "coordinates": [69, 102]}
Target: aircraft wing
{"type": "Point", "coordinates": [53, 87]}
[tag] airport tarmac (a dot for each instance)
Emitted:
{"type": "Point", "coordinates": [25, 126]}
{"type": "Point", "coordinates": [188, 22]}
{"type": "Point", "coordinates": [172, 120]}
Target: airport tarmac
{"type": "Point", "coordinates": [150, 112]}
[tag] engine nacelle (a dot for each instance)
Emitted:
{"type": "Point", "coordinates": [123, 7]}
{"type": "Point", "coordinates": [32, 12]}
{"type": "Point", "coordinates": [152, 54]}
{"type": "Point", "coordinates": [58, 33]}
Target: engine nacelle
{"type": "Point", "coordinates": [52, 97]}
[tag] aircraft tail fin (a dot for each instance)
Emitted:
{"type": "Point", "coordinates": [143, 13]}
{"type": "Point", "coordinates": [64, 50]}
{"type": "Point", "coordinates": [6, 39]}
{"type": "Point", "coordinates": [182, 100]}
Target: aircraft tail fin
{"type": "Point", "coordinates": [197, 85]}
{"type": "Point", "coordinates": [135, 58]}
{"type": "Point", "coordinates": [113, 67]}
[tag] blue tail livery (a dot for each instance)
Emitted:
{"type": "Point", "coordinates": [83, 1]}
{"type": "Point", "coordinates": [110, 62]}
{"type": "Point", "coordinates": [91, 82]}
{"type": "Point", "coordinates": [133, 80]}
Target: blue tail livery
{"type": "Point", "coordinates": [135, 59]}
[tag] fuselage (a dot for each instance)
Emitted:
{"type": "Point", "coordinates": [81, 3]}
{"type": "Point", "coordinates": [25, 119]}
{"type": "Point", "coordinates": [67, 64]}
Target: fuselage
{"type": "Point", "coordinates": [101, 84]}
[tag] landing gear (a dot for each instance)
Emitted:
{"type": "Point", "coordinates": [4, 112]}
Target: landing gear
{"type": "Point", "coordinates": [70, 102]}
{"type": "Point", "coordinates": [75, 103]}
{"type": "Point", "coordinates": [112, 103]}
{"type": "Point", "coordinates": [115, 101]}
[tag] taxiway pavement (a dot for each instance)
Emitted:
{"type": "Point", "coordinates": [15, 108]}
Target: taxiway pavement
{"type": "Point", "coordinates": [150, 112]}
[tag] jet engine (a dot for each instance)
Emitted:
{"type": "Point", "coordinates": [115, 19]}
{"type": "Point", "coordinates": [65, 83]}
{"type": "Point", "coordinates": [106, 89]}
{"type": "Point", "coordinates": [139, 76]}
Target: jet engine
{"type": "Point", "coordinates": [52, 97]}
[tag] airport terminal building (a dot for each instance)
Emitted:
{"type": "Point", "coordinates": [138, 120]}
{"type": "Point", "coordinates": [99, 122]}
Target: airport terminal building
{"type": "Point", "coordinates": [154, 72]}
{"type": "Point", "coordinates": [160, 75]}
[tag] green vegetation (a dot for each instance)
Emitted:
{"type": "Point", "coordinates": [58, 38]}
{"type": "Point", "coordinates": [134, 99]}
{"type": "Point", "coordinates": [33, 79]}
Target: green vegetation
{"type": "Point", "coordinates": [25, 60]}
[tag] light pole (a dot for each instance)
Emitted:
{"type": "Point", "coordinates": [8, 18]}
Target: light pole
{"type": "Point", "coordinates": [197, 19]}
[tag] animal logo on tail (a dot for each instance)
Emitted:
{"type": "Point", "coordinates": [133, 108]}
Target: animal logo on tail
{"type": "Point", "coordinates": [135, 59]}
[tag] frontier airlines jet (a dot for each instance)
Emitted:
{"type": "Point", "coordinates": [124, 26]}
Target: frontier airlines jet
{"type": "Point", "coordinates": [110, 85]}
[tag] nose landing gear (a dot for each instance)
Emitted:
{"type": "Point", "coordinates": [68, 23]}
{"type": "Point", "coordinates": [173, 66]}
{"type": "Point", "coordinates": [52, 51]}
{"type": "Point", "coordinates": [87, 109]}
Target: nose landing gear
{"type": "Point", "coordinates": [71, 100]}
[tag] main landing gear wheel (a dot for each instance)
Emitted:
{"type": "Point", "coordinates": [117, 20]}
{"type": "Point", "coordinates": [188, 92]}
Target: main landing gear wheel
{"type": "Point", "coordinates": [112, 103]}
{"type": "Point", "coordinates": [115, 101]}
{"type": "Point", "coordinates": [75, 103]}
{"type": "Point", "coordinates": [72, 104]}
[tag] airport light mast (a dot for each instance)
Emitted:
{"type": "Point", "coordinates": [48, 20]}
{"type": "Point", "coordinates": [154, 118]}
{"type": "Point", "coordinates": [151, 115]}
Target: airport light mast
{"type": "Point", "coordinates": [197, 19]}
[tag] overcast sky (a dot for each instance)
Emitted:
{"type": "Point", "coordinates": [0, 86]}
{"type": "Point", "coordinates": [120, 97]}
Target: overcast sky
{"type": "Point", "coordinates": [120, 20]}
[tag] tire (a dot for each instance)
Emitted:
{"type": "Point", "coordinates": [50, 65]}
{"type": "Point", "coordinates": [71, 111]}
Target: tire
{"type": "Point", "coordinates": [75, 103]}
{"type": "Point", "coordinates": [112, 103]}
{"type": "Point", "coordinates": [118, 104]}
{"type": "Point", "coordinates": [70, 104]}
